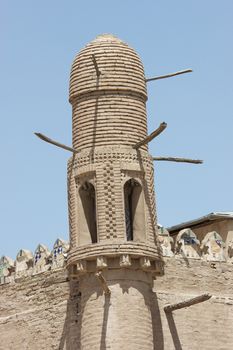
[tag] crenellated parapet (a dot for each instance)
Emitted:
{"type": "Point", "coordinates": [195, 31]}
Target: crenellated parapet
{"type": "Point", "coordinates": [188, 245]}
{"type": "Point", "coordinates": [28, 264]}
{"type": "Point", "coordinates": [59, 253]}
{"type": "Point", "coordinates": [42, 259]}
{"type": "Point", "coordinates": [7, 269]}
{"type": "Point", "coordinates": [166, 241]}
{"type": "Point", "coordinates": [23, 263]}
{"type": "Point", "coordinates": [213, 247]}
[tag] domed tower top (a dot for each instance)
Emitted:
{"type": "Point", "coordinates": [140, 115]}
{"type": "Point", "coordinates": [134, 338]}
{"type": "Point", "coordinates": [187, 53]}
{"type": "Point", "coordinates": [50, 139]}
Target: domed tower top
{"type": "Point", "coordinates": [119, 65]}
{"type": "Point", "coordinates": [108, 95]}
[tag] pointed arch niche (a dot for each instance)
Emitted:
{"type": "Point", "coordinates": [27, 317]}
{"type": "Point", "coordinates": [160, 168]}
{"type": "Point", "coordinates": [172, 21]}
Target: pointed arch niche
{"type": "Point", "coordinates": [134, 211]}
{"type": "Point", "coordinates": [87, 228]}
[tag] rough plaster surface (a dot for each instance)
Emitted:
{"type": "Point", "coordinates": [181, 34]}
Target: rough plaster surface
{"type": "Point", "coordinates": [45, 311]}
{"type": "Point", "coordinates": [207, 325]}
{"type": "Point", "coordinates": [40, 312]}
{"type": "Point", "coordinates": [125, 316]}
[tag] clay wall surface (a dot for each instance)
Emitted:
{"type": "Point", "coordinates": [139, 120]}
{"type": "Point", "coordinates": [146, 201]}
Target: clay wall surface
{"type": "Point", "coordinates": [42, 311]}
{"type": "Point", "coordinates": [205, 326]}
{"type": "Point", "coordinates": [122, 320]}
{"type": "Point", "coordinates": [39, 312]}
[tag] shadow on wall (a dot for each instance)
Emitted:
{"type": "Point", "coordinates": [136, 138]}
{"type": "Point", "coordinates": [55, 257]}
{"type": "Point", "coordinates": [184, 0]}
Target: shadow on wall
{"type": "Point", "coordinates": [105, 322]}
{"type": "Point", "coordinates": [158, 338]}
{"type": "Point", "coordinates": [173, 331]}
{"type": "Point", "coordinates": [157, 327]}
{"type": "Point", "coordinates": [149, 198]}
{"type": "Point", "coordinates": [95, 120]}
{"type": "Point", "coordinates": [70, 339]}
{"type": "Point", "coordinates": [71, 333]}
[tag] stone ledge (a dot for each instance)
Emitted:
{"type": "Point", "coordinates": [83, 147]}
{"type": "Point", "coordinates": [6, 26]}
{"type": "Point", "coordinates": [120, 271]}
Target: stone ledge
{"type": "Point", "coordinates": [101, 256]}
{"type": "Point", "coordinates": [123, 262]}
{"type": "Point", "coordinates": [135, 249]}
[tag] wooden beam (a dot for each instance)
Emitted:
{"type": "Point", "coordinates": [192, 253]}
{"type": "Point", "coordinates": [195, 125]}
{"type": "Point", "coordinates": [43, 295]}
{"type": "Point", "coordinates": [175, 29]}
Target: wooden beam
{"type": "Point", "coordinates": [98, 72]}
{"type": "Point", "coordinates": [58, 144]}
{"type": "Point", "coordinates": [103, 283]}
{"type": "Point", "coordinates": [186, 303]}
{"type": "Point", "coordinates": [150, 137]}
{"type": "Point", "coordinates": [181, 160]}
{"type": "Point", "coordinates": [169, 75]}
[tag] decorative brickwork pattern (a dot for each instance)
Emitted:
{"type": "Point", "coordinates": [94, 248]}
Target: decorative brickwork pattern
{"type": "Point", "coordinates": [125, 155]}
{"type": "Point", "coordinates": [109, 195]}
{"type": "Point", "coordinates": [113, 166]}
{"type": "Point", "coordinates": [150, 199]}
{"type": "Point", "coordinates": [72, 204]}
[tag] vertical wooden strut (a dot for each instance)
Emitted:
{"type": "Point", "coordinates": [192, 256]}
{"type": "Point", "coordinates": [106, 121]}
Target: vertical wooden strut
{"type": "Point", "coordinates": [103, 283]}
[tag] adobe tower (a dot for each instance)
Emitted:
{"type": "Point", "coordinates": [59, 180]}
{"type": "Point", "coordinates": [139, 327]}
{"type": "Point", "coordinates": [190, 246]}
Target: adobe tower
{"type": "Point", "coordinates": [111, 198]}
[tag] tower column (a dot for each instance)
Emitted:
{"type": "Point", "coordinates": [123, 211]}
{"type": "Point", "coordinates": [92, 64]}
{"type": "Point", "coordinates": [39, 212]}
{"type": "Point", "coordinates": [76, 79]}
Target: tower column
{"type": "Point", "coordinates": [122, 320]}
{"type": "Point", "coordinates": [111, 199]}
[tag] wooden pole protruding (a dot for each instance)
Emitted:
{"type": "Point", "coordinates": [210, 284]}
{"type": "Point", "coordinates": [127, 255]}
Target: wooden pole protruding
{"type": "Point", "coordinates": [103, 283]}
{"type": "Point", "coordinates": [58, 144]}
{"type": "Point", "coordinates": [98, 72]}
{"type": "Point", "coordinates": [169, 75]}
{"type": "Point", "coordinates": [150, 137]}
{"type": "Point", "coordinates": [186, 303]}
{"type": "Point", "coordinates": [181, 160]}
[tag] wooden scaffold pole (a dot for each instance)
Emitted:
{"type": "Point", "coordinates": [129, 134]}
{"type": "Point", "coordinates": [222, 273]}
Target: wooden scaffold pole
{"type": "Point", "coordinates": [186, 303]}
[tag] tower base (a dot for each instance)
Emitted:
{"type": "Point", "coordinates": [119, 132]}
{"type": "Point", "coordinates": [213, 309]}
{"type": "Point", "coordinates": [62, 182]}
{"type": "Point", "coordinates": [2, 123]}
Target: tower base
{"type": "Point", "coordinates": [122, 319]}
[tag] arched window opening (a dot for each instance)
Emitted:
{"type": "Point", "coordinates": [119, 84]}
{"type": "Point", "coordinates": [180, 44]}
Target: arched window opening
{"type": "Point", "coordinates": [134, 211]}
{"type": "Point", "coordinates": [87, 217]}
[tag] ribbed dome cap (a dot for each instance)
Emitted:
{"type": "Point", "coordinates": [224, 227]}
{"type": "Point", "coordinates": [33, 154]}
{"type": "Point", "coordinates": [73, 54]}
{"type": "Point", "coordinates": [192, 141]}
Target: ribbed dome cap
{"type": "Point", "coordinates": [120, 67]}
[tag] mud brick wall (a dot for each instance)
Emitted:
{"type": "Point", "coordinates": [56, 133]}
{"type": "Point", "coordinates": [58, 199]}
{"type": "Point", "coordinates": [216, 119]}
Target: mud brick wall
{"type": "Point", "coordinates": [42, 311]}
{"type": "Point", "coordinates": [207, 325]}
{"type": "Point", "coordinates": [39, 312]}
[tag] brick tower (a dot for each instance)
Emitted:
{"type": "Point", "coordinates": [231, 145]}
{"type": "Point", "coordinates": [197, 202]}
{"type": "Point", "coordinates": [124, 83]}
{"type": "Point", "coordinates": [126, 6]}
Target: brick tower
{"type": "Point", "coordinates": [111, 198]}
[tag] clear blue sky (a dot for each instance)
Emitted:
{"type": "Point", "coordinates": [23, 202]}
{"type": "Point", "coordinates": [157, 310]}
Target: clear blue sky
{"type": "Point", "coordinates": [39, 40]}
